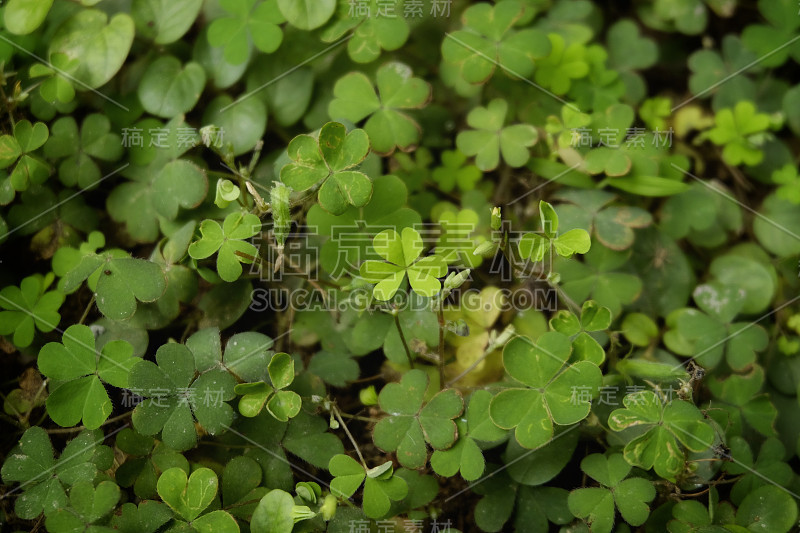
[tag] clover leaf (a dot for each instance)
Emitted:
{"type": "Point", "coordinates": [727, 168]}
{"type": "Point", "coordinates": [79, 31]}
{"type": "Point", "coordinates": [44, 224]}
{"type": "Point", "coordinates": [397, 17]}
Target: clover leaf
{"type": "Point", "coordinates": [551, 391]}
{"type": "Point", "coordinates": [18, 148]}
{"type": "Point", "coordinates": [771, 39]}
{"type": "Point", "coordinates": [402, 253]}
{"type": "Point", "coordinates": [409, 425]}
{"type": "Point", "coordinates": [377, 25]}
{"type": "Point", "coordinates": [328, 162]}
{"type": "Point", "coordinates": [488, 40]}
{"type": "Point", "coordinates": [593, 318]}
{"type": "Point", "coordinates": [29, 307]}
{"type": "Point", "coordinates": [388, 128]}
{"type": "Point", "coordinates": [489, 138]}
{"type": "Point", "coordinates": [740, 398]}
{"type": "Point", "coordinates": [117, 280]}
{"type": "Point", "coordinates": [768, 468]}
{"type": "Point", "coordinates": [160, 182]}
{"type": "Point", "coordinates": [598, 278]}
{"type": "Point", "coordinates": [563, 64]}
{"type": "Point", "coordinates": [596, 505]}
{"type": "Point", "coordinates": [741, 131]}
{"type": "Point", "coordinates": [174, 395]}
{"type": "Point", "coordinates": [454, 172]}
{"type": "Point", "coordinates": [79, 150]}
{"type": "Point", "coordinates": [228, 242]}
{"type": "Point", "coordinates": [627, 49]}
{"type": "Point", "coordinates": [665, 425]}
{"type": "Point", "coordinates": [381, 487]}
{"type": "Point", "coordinates": [44, 477]}
{"type": "Point", "coordinates": [87, 504]}
{"type": "Point", "coordinates": [710, 332]}
{"type": "Point", "coordinates": [611, 225]}
{"type": "Point", "coordinates": [246, 354]}
{"type": "Point", "coordinates": [466, 455]}
{"type": "Point", "coordinates": [710, 67]}
{"type": "Point", "coordinates": [190, 495]}
{"type": "Point", "coordinates": [535, 245]}
{"type": "Point", "coordinates": [789, 183]}
{"type": "Point", "coordinates": [703, 214]}
{"type": "Point", "coordinates": [80, 372]}
{"type": "Point", "coordinates": [282, 404]}
{"type": "Point", "coordinates": [251, 21]}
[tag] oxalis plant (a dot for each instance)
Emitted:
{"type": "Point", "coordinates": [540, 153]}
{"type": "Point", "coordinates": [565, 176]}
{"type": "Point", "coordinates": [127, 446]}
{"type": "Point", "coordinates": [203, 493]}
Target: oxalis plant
{"type": "Point", "coordinates": [278, 266]}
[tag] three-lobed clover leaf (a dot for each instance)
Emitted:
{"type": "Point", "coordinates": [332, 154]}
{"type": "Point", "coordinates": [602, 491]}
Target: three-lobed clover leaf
{"type": "Point", "coordinates": [564, 63]}
{"type": "Point", "coordinates": [612, 225]}
{"type": "Point", "coordinates": [465, 455]}
{"type": "Point", "coordinates": [775, 42]}
{"type": "Point", "coordinates": [18, 148]}
{"type": "Point", "coordinates": [402, 253]}
{"type": "Point", "coordinates": [281, 404]}
{"type": "Point", "coordinates": [665, 425]}
{"type": "Point", "coordinates": [490, 137]}
{"type": "Point", "coordinates": [29, 307]}
{"type": "Point", "coordinates": [79, 150]}
{"type": "Point", "coordinates": [381, 487]}
{"type": "Point", "coordinates": [710, 67]}
{"type": "Point", "coordinates": [710, 332]}
{"type": "Point", "coordinates": [488, 42]}
{"type": "Point", "coordinates": [536, 245]}
{"type": "Point", "coordinates": [173, 395]}
{"type": "Point", "coordinates": [118, 280]}
{"type": "Point", "coordinates": [789, 183]}
{"type": "Point", "coordinates": [740, 399]}
{"type": "Point", "coordinates": [79, 372]}
{"type": "Point", "coordinates": [453, 172]}
{"type": "Point", "coordinates": [595, 505]}
{"type": "Point", "coordinates": [593, 318]}
{"type": "Point", "coordinates": [598, 278]}
{"type": "Point", "coordinates": [377, 25]}
{"type": "Point", "coordinates": [87, 504]}
{"type": "Point", "coordinates": [31, 462]}
{"type": "Point", "coordinates": [160, 183]}
{"type": "Point", "coordinates": [190, 495]}
{"type": "Point", "coordinates": [228, 242]}
{"type": "Point", "coordinates": [250, 21]}
{"type": "Point", "coordinates": [388, 127]}
{"type": "Point", "coordinates": [548, 390]}
{"type": "Point", "coordinates": [741, 132]}
{"type": "Point", "coordinates": [329, 162]}
{"type": "Point", "coordinates": [410, 425]}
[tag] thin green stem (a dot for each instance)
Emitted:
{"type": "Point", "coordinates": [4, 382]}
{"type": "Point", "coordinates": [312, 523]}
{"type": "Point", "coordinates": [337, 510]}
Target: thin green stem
{"type": "Point", "coordinates": [403, 339]}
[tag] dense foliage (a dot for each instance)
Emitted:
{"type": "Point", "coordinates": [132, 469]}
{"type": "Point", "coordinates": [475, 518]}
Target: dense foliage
{"type": "Point", "coordinates": [399, 265]}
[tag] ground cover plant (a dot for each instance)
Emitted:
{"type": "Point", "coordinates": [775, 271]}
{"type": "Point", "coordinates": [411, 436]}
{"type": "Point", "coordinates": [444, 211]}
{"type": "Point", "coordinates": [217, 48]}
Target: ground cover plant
{"type": "Point", "coordinates": [352, 266]}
